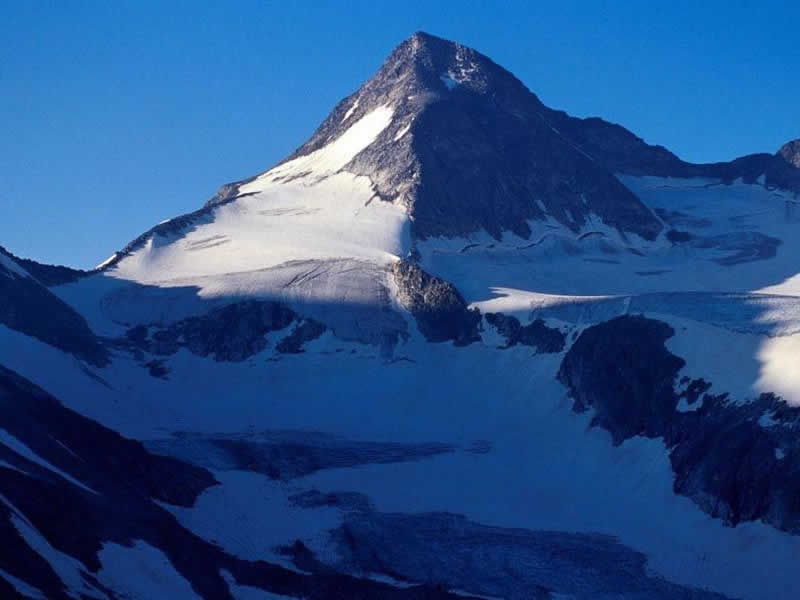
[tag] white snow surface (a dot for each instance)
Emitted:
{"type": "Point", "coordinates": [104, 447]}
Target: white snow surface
{"type": "Point", "coordinates": [332, 157]}
{"type": "Point", "coordinates": [306, 232]}
{"type": "Point", "coordinates": [231, 515]}
{"type": "Point", "coordinates": [350, 110]}
{"type": "Point", "coordinates": [307, 209]}
{"type": "Point", "coordinates": [107, 261]}
{"type": "Point", "coordinates": [279, 222]}
{"type": "Point", "coordinates": [780, 368]}
{"type": "Point", "coordinates": [141, 572]}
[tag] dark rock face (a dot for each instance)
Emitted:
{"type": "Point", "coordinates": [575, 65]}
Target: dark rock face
{"type": "Point", "coordinates": [157, 368]}
{"type": "Point", "coordinates": [620, 151]}
{"type": "Point", "coordinates": [628, 383]}
{"type": "Point", "coordinates": [790, 152]}
{"type": "Point", "coordinates": [227, 193]}
{"type": "Point", "coordinates": [47, 275]}
{"type": "Point", "coordinates": [784, 168]}
{"type": "Point", "coordinates": [306, 331]}
{"type": "Point", "coordinates": [437, 305]}
{"type": "Point", "coordinates": [735, 468]}
{"type": "Point", "coordinates": [232, 333]}
{"type": "Point", "coordinates": [617, 149]}
{"type": "Point", "coordinates": [678, 237]}
{"type": "Point", "coordinates": [535, 334]}
{"type": "Point", "coordinates": [30, 308]}
{"type": "Point", "coordinates": [732, 465]}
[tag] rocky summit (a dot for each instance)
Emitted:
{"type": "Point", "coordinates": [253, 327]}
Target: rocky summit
{"type": "Point", "coordinates": [458, 344]}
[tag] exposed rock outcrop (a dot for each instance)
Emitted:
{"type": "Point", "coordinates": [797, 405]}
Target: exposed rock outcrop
{"type": "Point", "coordinates": [536, 334]}
{"type": "Point", "coordinates": [725, 457]}
{"type": "Point", "coordinates": [440, 310]}
{"type": "Point", "coordinates": [790, 152]}
{"type": "Point", "coordinates": [231, 333]}
{"type": "Point", "coordinates": [306, 331]}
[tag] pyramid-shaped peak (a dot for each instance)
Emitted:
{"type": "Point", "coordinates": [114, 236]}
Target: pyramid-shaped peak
{"type": "Point", "coordinates": [422, 43]}
{"type": "Point", "coordinates": [463, 146]}
{"type": "Point", "coordinates": [434, 64]}
{"type": "Point", "coordinates": [422, 71]}
{"type": "Point", "coordinates": [419, 39]}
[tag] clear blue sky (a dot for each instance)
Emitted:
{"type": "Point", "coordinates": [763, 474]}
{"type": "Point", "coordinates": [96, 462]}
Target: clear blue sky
{"type": "Point", "coordinates": [117, 115]}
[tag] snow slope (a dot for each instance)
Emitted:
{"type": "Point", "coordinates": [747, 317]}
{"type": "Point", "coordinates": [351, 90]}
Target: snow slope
{"type": "Point", "coordinates": [306, 208]}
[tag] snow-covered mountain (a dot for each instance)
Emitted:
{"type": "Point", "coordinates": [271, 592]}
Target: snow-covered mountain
{"type": "Point", "coordinates": [457, 344]}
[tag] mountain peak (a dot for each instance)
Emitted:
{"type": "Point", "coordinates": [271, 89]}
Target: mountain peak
{"type": "Point", "coordinates": [468, 148]}
{"type": "Point", "coordinates": [438, 64]}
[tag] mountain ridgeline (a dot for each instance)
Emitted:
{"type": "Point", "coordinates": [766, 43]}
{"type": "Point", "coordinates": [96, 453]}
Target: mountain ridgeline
{"type": "Point", "coordinates": [470, 148]}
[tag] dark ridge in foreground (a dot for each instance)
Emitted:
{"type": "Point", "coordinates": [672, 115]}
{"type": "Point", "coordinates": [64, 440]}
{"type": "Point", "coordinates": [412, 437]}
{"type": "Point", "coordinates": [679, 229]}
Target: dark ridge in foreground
{"type": "Point", "coordinates": [113, 496]}
{"type": "Point", "coordinates": [47, 275]}
{"type": "Point", "coordinates": [29, 307]}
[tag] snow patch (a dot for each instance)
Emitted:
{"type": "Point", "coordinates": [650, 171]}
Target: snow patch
{"type": "Point", "coordinates": [250, 516]}
{"type": "Point", "coordinates": [20, 448]}
{"type": "Point", "coordinates": [351, 110]}
{"type": "Point", "coordinates": [449, 81]}
{"type": "Point", "coordinates": [245, 592]}
{"type": "Point", "coordinates": [23, 589]}
{"type": "Point", "coordinates": [107, 261]}
{"type": "Point", "coordinates": [402, 132]}
{"type": "Point", "coordinates": [141, 572]}
{"type": "Point", "coordinates": [780, 371]}
{"type": "Point", "coordinates": [334, 156]}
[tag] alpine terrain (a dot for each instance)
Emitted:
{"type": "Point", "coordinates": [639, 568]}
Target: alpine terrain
{"type": "Point", "coordinates": [458, 344]}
